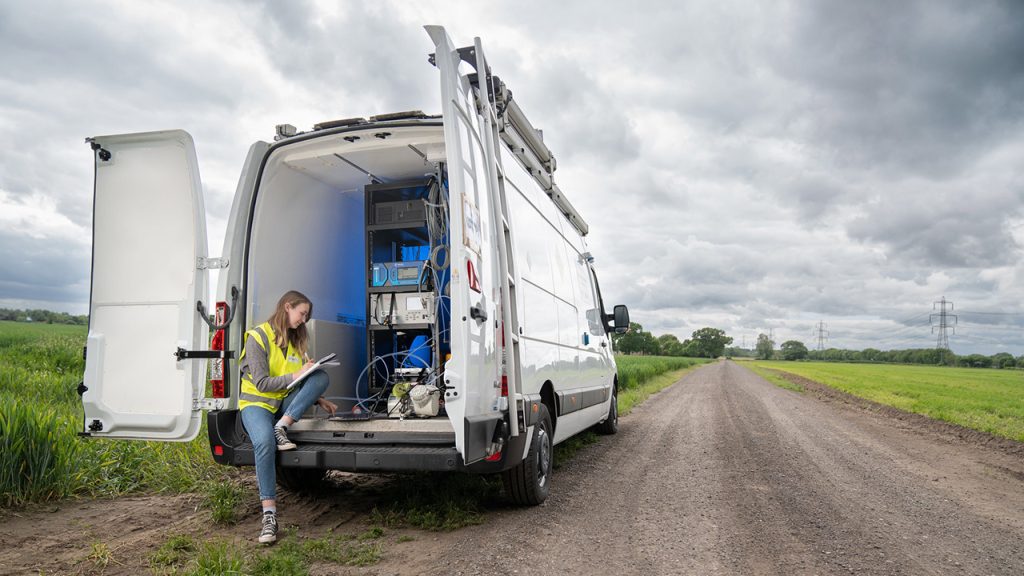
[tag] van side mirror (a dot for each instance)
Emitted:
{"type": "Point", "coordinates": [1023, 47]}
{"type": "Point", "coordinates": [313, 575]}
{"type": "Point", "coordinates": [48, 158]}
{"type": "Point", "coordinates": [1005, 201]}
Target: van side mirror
{"type": "Point", "coordinates": [621, 314]}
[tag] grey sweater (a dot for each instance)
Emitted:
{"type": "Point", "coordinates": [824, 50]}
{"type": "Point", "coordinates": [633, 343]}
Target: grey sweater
{"type": "Point", "coordinates": [257, 366]}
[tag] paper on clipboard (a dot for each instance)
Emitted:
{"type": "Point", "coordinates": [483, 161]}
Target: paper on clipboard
{"type": "Point", "coordinates": [325, 361]}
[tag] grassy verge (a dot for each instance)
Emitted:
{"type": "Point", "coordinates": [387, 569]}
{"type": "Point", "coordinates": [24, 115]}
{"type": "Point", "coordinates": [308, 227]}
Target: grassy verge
{"type": "Point", "coordinates": [628, 399]}
{"type": "Point", "coordinates": [773, 377]}
{"type": "Point", "coordinates": [41, 455]}
{"type": "Point", "coordinates": [987, 400]}
{"type": "Point", "coordinates": [291, 556]}
{"type": "Point", "coordinates": [641, 376]}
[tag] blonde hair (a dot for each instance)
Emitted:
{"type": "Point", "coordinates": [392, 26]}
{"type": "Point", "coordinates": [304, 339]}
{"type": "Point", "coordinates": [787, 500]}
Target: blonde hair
{"type": "Point", "coordinates": [279, 322]}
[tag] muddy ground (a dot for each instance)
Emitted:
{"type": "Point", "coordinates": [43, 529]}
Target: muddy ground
{"type": "Point", "coordinates": [722, 473]}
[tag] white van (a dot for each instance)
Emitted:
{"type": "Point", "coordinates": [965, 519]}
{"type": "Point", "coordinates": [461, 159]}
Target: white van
{"type": "Point", "coordinates": [447, 272]}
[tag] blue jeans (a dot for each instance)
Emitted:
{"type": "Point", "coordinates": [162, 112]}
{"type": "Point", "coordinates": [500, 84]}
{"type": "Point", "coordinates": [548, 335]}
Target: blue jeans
{"type": "Point", "coordinates": [259, 423]}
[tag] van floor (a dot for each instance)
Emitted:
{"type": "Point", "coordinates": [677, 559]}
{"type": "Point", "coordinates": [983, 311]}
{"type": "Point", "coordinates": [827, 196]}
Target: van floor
{"type": "Point", "coordinates": [436, 425]}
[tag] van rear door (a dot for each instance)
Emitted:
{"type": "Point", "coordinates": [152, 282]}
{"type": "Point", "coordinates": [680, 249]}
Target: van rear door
{"type": "Point", "coordinates": [148, 272]}
{"type": "Point", "coordinates": [472, 375]}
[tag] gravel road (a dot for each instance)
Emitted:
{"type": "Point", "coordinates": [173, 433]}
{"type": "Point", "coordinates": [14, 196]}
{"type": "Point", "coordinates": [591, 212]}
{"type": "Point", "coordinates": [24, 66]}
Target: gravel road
{"type": "Point", "coordinates": [724, 473]}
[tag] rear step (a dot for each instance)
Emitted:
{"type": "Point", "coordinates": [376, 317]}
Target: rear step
{"type": "Point", "coordinates": [360, 457]}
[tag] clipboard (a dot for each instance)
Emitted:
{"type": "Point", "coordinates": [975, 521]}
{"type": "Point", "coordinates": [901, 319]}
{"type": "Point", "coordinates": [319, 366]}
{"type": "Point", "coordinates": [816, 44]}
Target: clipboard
{"type": "Point", "coordinates": [325, 361]}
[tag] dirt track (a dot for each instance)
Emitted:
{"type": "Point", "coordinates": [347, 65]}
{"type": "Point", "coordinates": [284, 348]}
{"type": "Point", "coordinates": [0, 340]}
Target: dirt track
{"type": "Point", "coordinates": [723, 473]}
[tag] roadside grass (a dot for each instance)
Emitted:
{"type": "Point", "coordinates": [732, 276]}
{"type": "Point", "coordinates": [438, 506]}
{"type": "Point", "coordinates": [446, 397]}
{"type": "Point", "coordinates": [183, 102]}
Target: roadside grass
{"type": "Point", "coordinates": [641, 376]}
{"type": "Point", "coordinates": [223, 499]}
{"type": "Point", "coordinates": [635, 370]}
{"type": "Point", "coordinates": [774, 378]}
{"type": "Point", "coordinates": [41, 455]}
{"type": "Point", "coordinates": [173, 554]}
{"type": "Point", "coordinates": [987, 400]}
{"type": "Point", "coordinates": [290, 556]}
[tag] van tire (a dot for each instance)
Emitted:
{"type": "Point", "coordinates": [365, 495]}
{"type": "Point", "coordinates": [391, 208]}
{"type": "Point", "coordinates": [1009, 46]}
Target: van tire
{"type": "Point", "coordinates": [611, 423]}
{"type": "Point", "coordinates": [529, 482]}
{"type": "Point", "coordinates": [300, 480]}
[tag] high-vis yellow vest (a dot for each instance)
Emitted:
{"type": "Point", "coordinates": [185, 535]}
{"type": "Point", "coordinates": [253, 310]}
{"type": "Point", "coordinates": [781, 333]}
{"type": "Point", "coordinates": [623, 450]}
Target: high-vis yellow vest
{"type": "Point", "coordinates": [279, 364]}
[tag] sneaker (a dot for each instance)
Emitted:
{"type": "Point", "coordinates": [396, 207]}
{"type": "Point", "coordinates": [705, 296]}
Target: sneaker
{"type": "Point", "coordinates": [283, 443]}
{"type": "Point", "coordinates": [269, 533]}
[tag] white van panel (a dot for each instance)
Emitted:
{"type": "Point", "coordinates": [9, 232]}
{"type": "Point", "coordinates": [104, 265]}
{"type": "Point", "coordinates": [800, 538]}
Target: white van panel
{"type": "Point", "coordinates": [306, 236]}
{"type": "Point", "coordinates": [149, 230]}
{"type": "Point", "coordinates": [472, 374]}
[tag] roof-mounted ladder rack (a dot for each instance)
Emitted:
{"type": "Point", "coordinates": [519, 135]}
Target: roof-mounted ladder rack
{"type": "Point", "coordinates": [525, 141]}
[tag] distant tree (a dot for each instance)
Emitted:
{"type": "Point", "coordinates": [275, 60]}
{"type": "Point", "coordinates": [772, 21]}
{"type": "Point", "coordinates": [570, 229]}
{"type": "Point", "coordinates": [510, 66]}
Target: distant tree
{"type": "Point", "coordinates": [870, 355]}
{"type": "Point", "coordinates": [737, 352]}
{"type": "Point", "coordinates": [636, 341]}
{"type": "Point", "coordinates": [44, 316]}
{"type": "Point", "coordinates": [793, 350]}
{"type": "Point", "coordinates": [765, 348]}
{"type": "Point", "coordinates": [691, 348]}
{"type": "Point", "coordinates": [975, 361]}
{"type": "Point", "coordinates": [1003, 360]}
{"type": "Point", "coordinates": [711, 342]}
{"type": "Point", "coordinates": [669, 345]}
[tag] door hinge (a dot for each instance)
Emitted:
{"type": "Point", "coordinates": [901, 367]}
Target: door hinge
{"type": "Point", "coordinates": [211, 263]}
{"type": "Point", "coordinates": [209, 404]}
{"type": "Point", "coordinates": [183, 354]}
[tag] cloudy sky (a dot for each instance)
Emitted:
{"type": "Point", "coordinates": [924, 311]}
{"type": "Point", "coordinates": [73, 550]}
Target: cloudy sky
{"type": "Point", "coordinates": [741, 166]}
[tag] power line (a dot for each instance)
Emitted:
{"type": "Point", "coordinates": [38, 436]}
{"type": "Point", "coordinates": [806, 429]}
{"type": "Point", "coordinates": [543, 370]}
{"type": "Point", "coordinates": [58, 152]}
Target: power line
{"type": "Point", "coordinates": [823, 335]}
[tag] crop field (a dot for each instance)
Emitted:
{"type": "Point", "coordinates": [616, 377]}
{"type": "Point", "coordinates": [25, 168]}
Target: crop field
{"type": "Point", "coordinates": [988, 400]}
{"type": "Point", "coordinates": [41, 456]}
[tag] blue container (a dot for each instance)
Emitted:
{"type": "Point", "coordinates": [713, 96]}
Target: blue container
{"type": "Point", "coordinates": [419, 354]}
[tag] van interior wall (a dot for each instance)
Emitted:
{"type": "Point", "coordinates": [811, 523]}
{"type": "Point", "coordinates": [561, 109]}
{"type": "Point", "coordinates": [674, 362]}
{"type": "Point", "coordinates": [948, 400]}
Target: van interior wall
{"type": "Point", "coordinates": [308, 236]}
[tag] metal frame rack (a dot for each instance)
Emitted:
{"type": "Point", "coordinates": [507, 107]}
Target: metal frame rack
{"type": "Point", "coordinates": [399, 245]}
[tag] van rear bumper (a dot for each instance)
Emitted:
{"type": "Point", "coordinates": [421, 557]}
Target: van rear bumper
{"type": "Point", "coordinates": [231, 448]}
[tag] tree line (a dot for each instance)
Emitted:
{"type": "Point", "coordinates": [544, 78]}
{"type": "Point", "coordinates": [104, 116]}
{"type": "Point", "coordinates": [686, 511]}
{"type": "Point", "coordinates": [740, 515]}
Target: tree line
{"type": "Point", "coordinates": [796, 350]}
{"type": "Point", "coordinates": [706, 342]}
{"type": "Point", "coordinates": [42, 316]}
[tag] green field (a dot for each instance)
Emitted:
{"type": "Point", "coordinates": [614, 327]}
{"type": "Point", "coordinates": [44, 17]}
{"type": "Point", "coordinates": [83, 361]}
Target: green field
{"type": "Point", "coordinates": [988, 400]}
{"type": "Point", "coordinates": [42, 457]}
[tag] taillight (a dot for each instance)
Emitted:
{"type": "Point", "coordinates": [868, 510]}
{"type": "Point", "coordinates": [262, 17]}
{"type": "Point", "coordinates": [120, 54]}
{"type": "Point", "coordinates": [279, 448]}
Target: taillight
{"type": "Point", "coordinates": [217, 364]}
{"type": "Point", "coordinates": [474, 280]}
{"type": "Point", "coordinates": [504, 384]}
{"type": "Point", "coordinates": [493, 457]}
{"type": "Point", "coordinates": [218, 450]}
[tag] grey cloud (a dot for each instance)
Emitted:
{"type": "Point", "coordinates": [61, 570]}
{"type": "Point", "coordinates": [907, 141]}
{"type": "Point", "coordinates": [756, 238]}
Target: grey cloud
{"type": "Point", "coordinates": [42, 270]}
{"type": "Point", "coordinates": [965, 231]}
{"type": "Point", "coordinates": [575, 108]}
{"type": "Point", "coordinates": [925, 88]}
{"type": "Point", "coordinates": [363, 57]}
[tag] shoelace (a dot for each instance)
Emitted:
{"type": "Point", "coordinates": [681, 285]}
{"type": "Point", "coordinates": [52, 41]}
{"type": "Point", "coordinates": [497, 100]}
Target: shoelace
{"type": "Point", "coordinates": [269, 523]}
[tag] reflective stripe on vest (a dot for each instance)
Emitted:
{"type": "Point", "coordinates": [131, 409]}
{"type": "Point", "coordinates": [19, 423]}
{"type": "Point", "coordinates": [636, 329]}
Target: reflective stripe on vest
{"type": "Point", "coordinates": [278, 364]}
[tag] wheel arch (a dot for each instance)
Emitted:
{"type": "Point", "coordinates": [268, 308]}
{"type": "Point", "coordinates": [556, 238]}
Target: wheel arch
{"type": "Point", "coordinates": [547, 396]}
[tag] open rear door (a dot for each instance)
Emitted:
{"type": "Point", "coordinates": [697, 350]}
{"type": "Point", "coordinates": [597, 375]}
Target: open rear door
{"type": "Point", "coordinates": [148, 272]}
{"type": "Point", "coordinates": [472, 375]}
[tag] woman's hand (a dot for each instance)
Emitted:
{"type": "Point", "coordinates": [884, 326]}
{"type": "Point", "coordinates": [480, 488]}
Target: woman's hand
{"type": "Point", "coordinates": [305, 368]}
{"type": "Point", "coordinates": [327, 405]}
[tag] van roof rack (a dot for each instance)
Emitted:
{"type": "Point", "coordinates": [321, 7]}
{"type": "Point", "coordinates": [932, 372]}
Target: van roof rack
{"type": "Point", "coordinates": [339, 123]}
{"type": "Point", "coordinates": [523, 140]}
{"type": "Point", "coordinates": [398, 116]}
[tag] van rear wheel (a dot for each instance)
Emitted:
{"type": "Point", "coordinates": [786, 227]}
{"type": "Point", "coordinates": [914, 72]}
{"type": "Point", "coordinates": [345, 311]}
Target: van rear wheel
{"type": "Point", "coordinates": [529, 482]}
{"type": "Point", "coordinates": [300, 480]}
